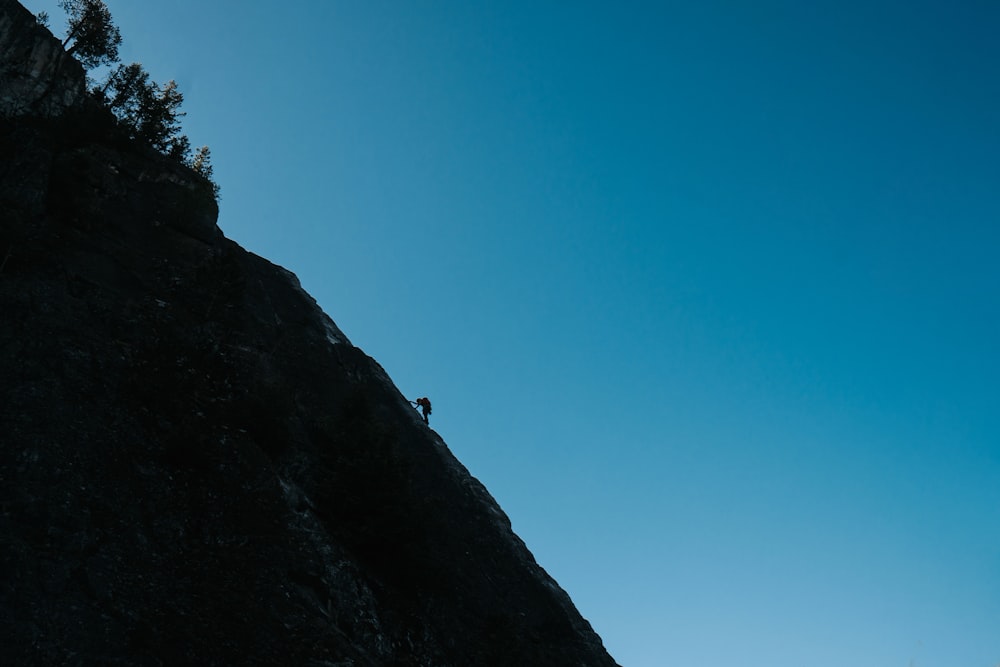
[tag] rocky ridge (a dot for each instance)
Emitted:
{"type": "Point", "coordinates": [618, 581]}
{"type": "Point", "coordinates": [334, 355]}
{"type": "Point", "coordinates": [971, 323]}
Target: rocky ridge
{"type": "Point", "coordinates": [196, 465]}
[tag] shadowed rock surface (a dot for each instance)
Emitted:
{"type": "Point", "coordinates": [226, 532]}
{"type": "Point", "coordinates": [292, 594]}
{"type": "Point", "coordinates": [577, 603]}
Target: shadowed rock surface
{"type": "Point", "coordinates": [196, 466]}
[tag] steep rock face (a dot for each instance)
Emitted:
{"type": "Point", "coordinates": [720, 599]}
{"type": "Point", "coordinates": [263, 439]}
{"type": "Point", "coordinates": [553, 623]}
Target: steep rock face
{"type": "Point", "coordinates": [196, 465]}
{"type": "Point", "coordinates": [36, 75]}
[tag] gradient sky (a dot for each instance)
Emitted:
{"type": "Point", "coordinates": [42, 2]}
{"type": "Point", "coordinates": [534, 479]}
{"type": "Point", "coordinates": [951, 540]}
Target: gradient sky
{"type": "Point", "coordinates": [706, 293]}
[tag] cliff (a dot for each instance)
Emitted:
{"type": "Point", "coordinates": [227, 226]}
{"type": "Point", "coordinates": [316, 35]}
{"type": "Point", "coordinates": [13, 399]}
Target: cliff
{"type": "Point", "coordinates": [196, 465]}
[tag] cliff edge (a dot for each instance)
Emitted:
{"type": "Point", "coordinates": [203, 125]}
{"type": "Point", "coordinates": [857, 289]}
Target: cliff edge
{"type": "Point", "coordinates": [196, 465]}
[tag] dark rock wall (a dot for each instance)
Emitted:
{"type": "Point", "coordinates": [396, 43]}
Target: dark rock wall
{"type": "Point", "coordinates": [36, 75]}
{"type": "Point", "coordinates": [196, 466]}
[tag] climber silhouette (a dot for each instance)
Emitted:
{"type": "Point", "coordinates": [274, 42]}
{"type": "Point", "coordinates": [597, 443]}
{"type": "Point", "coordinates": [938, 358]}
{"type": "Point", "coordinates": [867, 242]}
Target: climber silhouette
{"type": "Point", "coordinates": [425, 406]}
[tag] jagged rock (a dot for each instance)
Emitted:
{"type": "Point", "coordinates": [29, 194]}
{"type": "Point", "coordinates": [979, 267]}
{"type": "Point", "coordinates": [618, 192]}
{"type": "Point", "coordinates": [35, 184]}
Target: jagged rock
{"type": "Point", "coordinates": [36, 75]}
{"type": "Point", "coordinates": [196, 466]}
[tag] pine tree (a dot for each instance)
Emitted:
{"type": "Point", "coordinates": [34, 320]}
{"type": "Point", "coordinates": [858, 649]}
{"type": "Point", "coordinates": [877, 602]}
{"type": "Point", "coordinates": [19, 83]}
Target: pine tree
{"type": "Point", "coordinates": [91, 36]}
{"type": "Point", "coordinates": [149, 112]}
{"type": "Point", "coordinates": [202, 165]}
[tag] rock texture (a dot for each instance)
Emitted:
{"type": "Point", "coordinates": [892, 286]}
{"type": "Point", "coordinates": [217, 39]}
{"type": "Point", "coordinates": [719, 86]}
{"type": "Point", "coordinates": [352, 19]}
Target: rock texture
{"type": "Point", "coordinates": [36, 75]}
{"type": "Point", "coordinates": [196, 466]}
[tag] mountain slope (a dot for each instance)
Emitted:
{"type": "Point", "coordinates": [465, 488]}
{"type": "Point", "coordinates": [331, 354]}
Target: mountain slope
{"type": "Point", "coordinates": [197, 467]}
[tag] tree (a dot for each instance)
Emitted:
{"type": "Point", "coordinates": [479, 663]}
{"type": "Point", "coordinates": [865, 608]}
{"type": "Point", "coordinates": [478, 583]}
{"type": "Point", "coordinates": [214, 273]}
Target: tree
{"type": "Point", "coordinates": [95, 39]}
{"type": "Point", "coordinates": [160, 124]}
{"type": "Point", "coordinates": [201, 163]}
{"type": "Point", "coordinates": [149, 112]}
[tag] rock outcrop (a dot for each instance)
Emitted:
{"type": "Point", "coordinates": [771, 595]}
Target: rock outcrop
{"type": "Point", "coordinates": [36, 74]}
{"type": "Point", "coordinates": [196, 466]}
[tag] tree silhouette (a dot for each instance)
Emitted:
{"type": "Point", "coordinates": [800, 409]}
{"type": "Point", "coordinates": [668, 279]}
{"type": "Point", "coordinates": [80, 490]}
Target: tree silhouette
{"type": "Point", "coordinates": [202, 165]}
{"type": "Point", "coordinates": [149, 112]}
{"type": "Point", "coordinates": [91, 37]}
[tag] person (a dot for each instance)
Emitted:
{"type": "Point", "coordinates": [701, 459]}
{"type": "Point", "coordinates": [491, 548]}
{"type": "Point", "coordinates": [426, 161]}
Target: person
{"type": "Point", "coordinates": [425, 406]}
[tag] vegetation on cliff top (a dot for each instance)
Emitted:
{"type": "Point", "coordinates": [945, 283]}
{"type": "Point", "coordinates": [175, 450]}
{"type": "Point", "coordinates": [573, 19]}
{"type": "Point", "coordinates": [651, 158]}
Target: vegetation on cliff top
{"type": "Point", "coordinates": [148, 112]}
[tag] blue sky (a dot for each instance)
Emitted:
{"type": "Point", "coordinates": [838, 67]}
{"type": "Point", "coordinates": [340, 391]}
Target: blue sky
{"type": "Point", "coordinates": [707, 294]}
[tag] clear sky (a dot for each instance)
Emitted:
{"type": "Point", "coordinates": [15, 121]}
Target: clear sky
{"type": "Point", "coordinates": [706, 293]}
